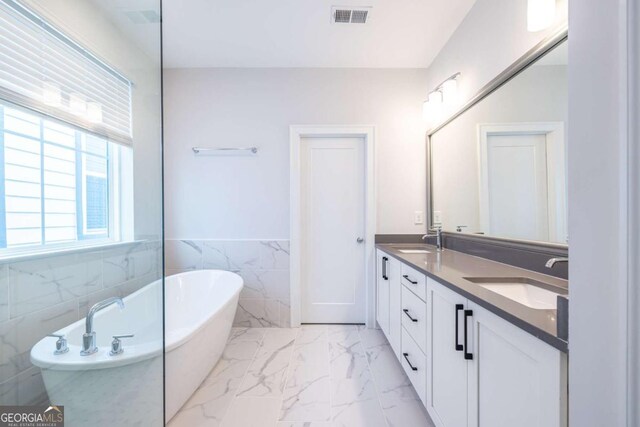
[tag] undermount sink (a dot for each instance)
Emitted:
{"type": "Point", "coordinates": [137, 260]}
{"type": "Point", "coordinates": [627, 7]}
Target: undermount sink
{"type": "Point", "coordinates": [414, 251]}
{"type": "Point", "coordinates": [528, 292]}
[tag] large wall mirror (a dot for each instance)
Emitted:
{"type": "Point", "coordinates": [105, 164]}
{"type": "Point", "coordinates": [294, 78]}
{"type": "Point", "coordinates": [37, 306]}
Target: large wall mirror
{"type": "Point", "coordinates": [499, 167]}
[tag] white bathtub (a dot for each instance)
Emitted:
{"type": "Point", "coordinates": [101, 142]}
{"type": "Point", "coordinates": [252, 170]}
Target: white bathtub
{"type": "Point", "coordinates": [127, 389]}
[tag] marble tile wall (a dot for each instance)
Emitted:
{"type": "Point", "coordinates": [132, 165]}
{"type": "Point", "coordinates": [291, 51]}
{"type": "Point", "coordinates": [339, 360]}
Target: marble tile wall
{"type": "Point", "coordinates": [263, 264]}
{"type": "Point", "coordinates": [41, 294]}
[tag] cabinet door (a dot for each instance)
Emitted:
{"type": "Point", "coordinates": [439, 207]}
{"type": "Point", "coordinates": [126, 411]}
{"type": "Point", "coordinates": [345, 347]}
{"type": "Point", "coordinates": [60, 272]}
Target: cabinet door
{"type": "Point", "coordinates": [413, 362]}
{"type": "Point", "coordinates": [382, 311]}
{"type": "Point", "coordinates": [514, 378]}
{"type": "Point", "coordinates": [395, 307]}
{"type": "Point", "coordinates": [446, 365]}
{"type": "Point", "coordinates": [414, 318]}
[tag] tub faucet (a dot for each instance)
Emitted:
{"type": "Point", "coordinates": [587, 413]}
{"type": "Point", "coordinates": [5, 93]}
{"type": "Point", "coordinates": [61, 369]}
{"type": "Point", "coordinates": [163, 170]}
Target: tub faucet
{"type": "Point", "coordinates": [89, 337]}
{"type": "Point", "coordinates": [437, 235]}
{"type": "Point", "coordinates": [553, 261]}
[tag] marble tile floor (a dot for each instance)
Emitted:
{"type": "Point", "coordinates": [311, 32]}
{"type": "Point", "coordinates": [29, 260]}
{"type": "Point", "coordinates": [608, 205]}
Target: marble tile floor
{"type": "Point", "coordinates": [316, 375]}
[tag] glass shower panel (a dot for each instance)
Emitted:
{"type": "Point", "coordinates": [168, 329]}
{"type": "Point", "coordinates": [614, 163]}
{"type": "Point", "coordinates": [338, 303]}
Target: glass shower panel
{"type": "Point", "coordinates": [81, 244]}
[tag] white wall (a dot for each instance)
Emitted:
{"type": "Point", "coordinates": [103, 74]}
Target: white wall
{"type": "Point", "coordinates": [491, 37]}
{"type": "Point", "coordinates": [598, 221]}
{"type": "Point", "coordinates": [248, 197]}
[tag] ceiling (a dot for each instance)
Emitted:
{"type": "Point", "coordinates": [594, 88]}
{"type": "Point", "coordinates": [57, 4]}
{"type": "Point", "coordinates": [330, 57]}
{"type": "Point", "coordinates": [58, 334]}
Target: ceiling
{"type": "Point", "coordinates": [138, 21]}
{"type": "Point", "coordinates": [299, 33]}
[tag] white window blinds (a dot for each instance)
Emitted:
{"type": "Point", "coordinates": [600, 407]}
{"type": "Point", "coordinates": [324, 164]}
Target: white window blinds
{"type": "Point", "coordinates": [44, 70]}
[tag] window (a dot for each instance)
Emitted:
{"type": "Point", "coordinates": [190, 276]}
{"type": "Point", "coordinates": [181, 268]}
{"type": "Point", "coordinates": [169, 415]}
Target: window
{"type": "Point", "coordinates": [57, 183]}
{"type": "Point", "coordinates": [65, 131]}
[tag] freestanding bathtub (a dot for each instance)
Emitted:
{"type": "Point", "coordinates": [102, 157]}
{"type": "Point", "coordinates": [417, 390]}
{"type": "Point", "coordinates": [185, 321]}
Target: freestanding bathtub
{"type": "Point", "coordinates": [126, 389]}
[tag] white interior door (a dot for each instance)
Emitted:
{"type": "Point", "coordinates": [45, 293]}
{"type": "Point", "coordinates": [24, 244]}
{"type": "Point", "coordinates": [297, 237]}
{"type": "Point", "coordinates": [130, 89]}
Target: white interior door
{"type": "Point", "coordinates": [516, 168]}
{"type": "Point", "coordinates": [333, 226]}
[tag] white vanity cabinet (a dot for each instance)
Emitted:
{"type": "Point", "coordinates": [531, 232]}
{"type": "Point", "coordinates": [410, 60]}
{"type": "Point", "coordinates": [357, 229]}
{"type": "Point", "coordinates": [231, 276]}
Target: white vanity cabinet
{"type": "Point", "coordinates": [388, 290]}
{"type": "Point", "coordinates": [414, 318]}
{"type": "Point", "coordinates": [514, 378]}
{"type": "Point", "coordinates": [447, 370]}
{"type": "Point", "coordinates": [382, 291]}
{"type": "Point", "coordinates": [486, 372]}
{"type": "Point", "coordinates": [395, 317]}
{"type": "Point", "coordinates": [470, 367]}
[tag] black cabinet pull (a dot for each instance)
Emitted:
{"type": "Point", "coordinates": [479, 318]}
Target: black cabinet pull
{"type": "Point", "coordinates": [467, 355]}
{"type": "Point", "coordinates": [413, 368]}
{"type": "Point", "coordinates": [459, 307]}
{"type": "Point", "coordinates": [384, 268]}
{"type": "Point", "coordinates": [406, 311]}
{"type": "Point", "coordinates": [409, 280]}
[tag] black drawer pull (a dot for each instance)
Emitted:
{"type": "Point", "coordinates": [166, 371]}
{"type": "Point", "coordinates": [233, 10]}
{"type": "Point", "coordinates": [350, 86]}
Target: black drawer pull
{"type": "Point", "coordinates": [413, 368]}
{"type": "Point", "coordinates": [467, 354]}
{"type": "Point", "coordinates": [409, 280]}
{"type": "Point", "coordinates": [459, 307]}
{"type": "Point", "coordinates": [406, 311]}
{"type": "Point", "coordinates": [384, 268]}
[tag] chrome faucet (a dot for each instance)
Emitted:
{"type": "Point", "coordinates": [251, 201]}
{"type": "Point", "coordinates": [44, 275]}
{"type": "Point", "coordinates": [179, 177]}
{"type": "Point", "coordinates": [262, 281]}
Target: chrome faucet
{"type": "Point", "coordinates": [61, 345]}
{"type": "Point", "coordinates": [116, 344]}
{"type": "Point", "coordinates": [553, 261]}
{"type": "Point", "coordinates": [437, 235]}
{"type": "Point", "coordinates": [89, 337]}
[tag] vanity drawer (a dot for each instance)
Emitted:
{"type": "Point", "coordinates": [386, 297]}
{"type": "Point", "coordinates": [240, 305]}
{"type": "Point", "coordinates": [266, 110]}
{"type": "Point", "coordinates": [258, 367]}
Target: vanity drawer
{"type": "Point", "coordinates": [414, 317]}
{"type": "Point", "coordinates": [414, 363]}
{"type": "Point", "coordinates": [414, 281]}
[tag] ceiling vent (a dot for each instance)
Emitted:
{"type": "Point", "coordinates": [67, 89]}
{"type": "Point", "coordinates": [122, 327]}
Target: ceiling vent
{"type": "Point", "coordinates": [350, 15]}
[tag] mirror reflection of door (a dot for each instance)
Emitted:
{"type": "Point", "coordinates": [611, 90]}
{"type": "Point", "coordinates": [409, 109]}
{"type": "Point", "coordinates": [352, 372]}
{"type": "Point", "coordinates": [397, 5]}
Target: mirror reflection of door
{"type": "Point", "coordinates": [517, 186]}
{"type": "Point", "coordinates": [515, 136]}
{"type": "Point", "coordinates": [520, 197]}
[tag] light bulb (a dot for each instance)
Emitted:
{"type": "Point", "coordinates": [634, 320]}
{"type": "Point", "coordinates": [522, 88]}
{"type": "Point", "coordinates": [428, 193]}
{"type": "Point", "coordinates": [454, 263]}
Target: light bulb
{"type": "Point", "coordinates": [540, 14]}
{"type": "Point", "coordinates": [51, 94]}
{"type": "Point", "coordinates": [77, 104]}
{"type": "Point", "coordinates": [94, 112]}
{"type": "Point", "coordinates": [435, 98]}
{"type": "Point", "coordinates": [450, 92]}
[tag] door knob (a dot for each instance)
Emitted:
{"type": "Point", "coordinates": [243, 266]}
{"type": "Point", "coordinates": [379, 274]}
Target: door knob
{"type": "Point", "coordinates": [359, 240]}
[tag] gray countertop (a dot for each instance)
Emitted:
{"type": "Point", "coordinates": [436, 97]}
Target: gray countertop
{"type": "Point", "coordinates": [450, 269]}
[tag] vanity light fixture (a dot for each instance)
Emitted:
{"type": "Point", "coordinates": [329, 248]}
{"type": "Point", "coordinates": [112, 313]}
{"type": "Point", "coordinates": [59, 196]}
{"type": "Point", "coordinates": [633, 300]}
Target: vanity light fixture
{"type": "Point", "coordinates": [435, 97]}
{"type": "Point", "coordinates": [540, 14]}
{"type": "Point", "coordinates": [431, 105]}
{"type": "Point", "coordinates": [446, 92]}
{"type": "Point", "coordinates": [426, 110]}
{"type": "Point", "coordinates": [450, 91]}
